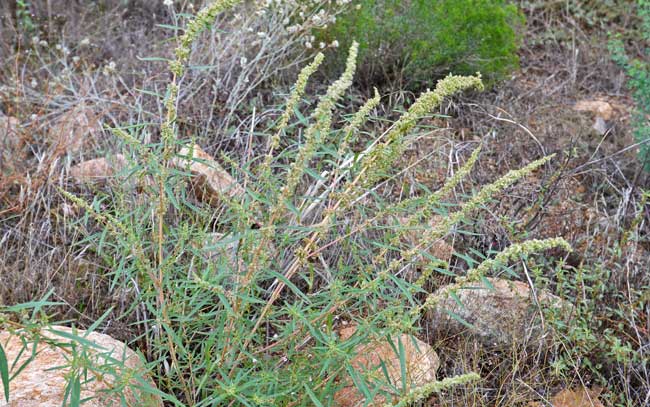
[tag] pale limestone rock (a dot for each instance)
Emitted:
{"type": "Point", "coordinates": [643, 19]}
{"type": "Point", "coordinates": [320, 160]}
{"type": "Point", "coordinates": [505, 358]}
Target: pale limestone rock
{"type": "Point", "coordinates": [503, 316]}
{"type": "Point", "coordinates": [43, 381]}
{"type": "Point", "coordinates": [422, 362]}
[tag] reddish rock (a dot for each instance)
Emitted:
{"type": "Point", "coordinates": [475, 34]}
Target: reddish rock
{"type": "Point", "coordinates": [578, 398]}
{"type": "Point", "coordinates": [98, 170]}
{"type": "Point", "coordinates": [601, 108]}
{"type": "Point", "coordinates": [422, 362]}
{"type": "Point", "coordinates": [439, 249]}
{"type": "Point", "coordinates": [211, 181]}
{"type": "Point", "coordinates": [581, 397]}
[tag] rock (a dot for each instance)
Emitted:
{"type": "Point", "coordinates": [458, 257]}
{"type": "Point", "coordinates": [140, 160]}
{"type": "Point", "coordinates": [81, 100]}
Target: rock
{"type": "Point", "coordinates": [603, 111]}
{"type": "Point", "coordinates": [75, 128]}
{"type": "Point", "coordinates": [211, 181]}
{"type": "Point", "coordinates": [422, 362]}
{"type": "Point", "coordinates": [43, 381]}
{"type": "Point", "coordinates": [599, 107]}
{"type": "Point", "coordinates": [503, 316]}
{"type": "Point", "coordinates": [98, 170]}
{"type": "Point", "coordinates": [578, 398]}
{"type": "Point", "coordinates": [575, 398]}
{"type": "Point", "coordinates": [600, 125]}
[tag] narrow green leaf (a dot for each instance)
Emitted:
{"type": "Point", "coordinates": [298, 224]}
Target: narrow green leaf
{"type": "Point", "coordinates": [201, 67]}
{"type": "Point", "coordinates": [171, 196]}
{"type": "Point", "coordinates": [153, 59]}
{"type": "Point", "coordinates": [312, 396]}
{"type": "Point", "coordinates": [456, 298]}
{"type": "Point", "coordinates": [402, 362]}
{"type": "Point", "coordinates": [459, 319]}
{"type": "Point", "coordinates": [31, 304]}
{"type": "Point", "coordinates": [169, 27]}
{"type": "Point", "coordinates": [75, 392]}
{"type": "Point", "coordinates": [99, 320]}
{"type": "Point", "coordinates": [300, 117]}
{"type": "Point", "coordinates": [4, 372]}
{"type": "Point", "coordinates": [291, 286]}
{"type": "Point", "coordinates": [75, 338]}
{"type": "Point", "coordinates": [358, 381]}
{"type": "Point", "coordinates": [487, 283]}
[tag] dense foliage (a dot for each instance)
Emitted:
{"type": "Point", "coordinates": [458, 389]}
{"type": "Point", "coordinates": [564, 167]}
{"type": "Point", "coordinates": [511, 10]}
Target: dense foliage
{"type": "Point", "coordinates": [416, 42]}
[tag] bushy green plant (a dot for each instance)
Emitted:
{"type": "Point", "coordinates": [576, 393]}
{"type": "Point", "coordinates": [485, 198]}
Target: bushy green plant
{"type": "Point", "coordinates": [419, 41]}
{"type": "Point", "coordinates": [638, 73]}
{"type": "Point", "coordinates": [310, 249]}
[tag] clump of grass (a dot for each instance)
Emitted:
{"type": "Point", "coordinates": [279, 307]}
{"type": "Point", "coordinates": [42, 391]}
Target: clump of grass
{"type": "Point", "coordinates": [311, 252]}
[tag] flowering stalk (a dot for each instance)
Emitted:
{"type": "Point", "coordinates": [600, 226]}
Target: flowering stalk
{"type": "Point", "coordinates": [323, 121]}
{"type": "Point", "coordinates": [423, 105]}
{"type": "Point", "coordinates": [481, 198]}
{"type": "Point", "coordinates": [359, 118]}
{"type": "Point", "coordinates": [202, 21]}
{"type": "Point", "coordinates": [292, 103]}
{"type": "Point", "coordinates": [377, 158]}
{"type": "Point", "coordinates": [425, 391]}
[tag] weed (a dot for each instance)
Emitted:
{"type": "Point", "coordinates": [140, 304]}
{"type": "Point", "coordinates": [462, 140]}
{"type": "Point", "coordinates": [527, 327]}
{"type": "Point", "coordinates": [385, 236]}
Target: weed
{"type": "Point", "coordinates": [260, 327]}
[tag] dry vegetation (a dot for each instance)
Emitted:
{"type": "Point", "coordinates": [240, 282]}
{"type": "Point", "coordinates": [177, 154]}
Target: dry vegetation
{"type": "Point", "coordinates": [86, 67]}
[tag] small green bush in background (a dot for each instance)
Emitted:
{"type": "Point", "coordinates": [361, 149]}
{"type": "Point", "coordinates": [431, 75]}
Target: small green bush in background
{"type": "Point", "coordinates": [638, 72]}
{"type": "Point", "coordinates": [417, 42]}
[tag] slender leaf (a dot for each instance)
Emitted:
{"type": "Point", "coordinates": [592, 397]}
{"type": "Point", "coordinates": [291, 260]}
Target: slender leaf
{"type": "Point", "coordinates": [4, 372]}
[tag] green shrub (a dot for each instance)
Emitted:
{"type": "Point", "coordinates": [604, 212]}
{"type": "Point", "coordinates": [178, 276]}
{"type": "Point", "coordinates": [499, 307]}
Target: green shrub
{"type": "Point", "coordinates": [638, 72]}
{"type": "Point", "coordinates": [417, 42]}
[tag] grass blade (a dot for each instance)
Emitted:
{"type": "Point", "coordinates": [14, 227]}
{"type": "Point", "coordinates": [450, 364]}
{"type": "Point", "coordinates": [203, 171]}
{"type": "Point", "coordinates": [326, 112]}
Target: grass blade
{"type": "Point", "coordinates": [4, 372]}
